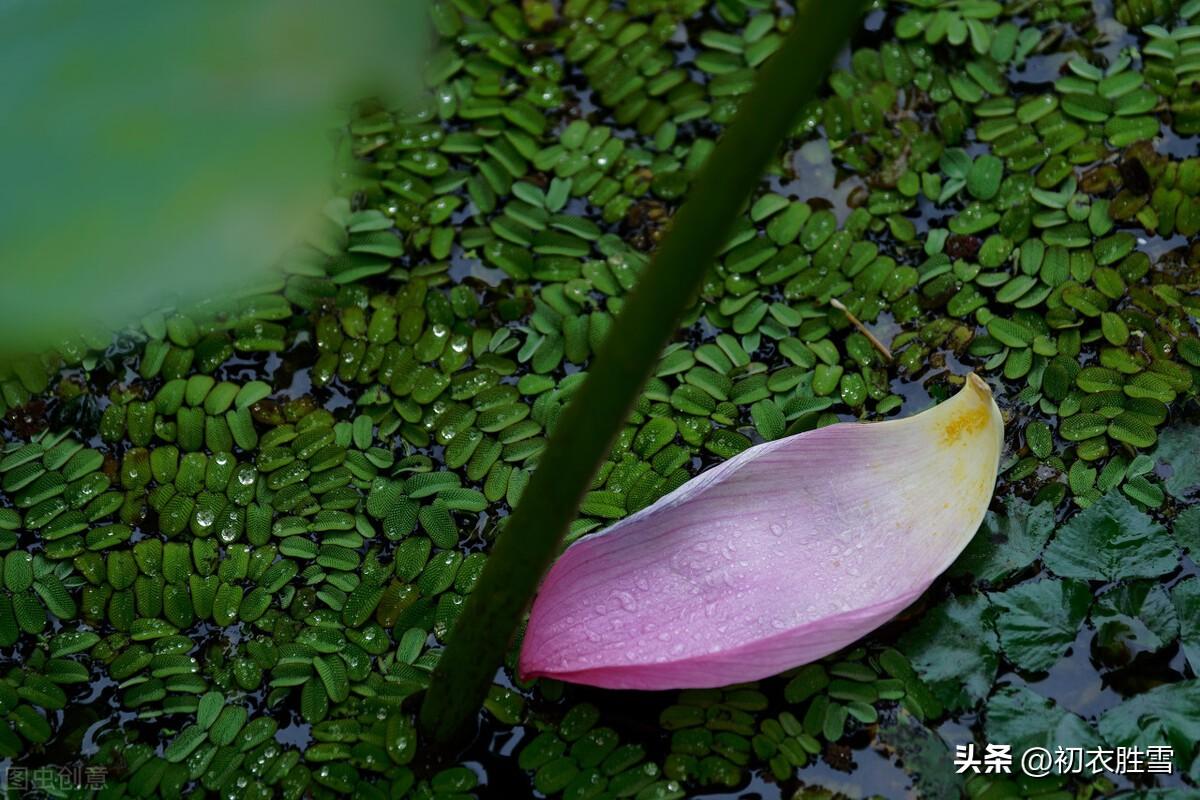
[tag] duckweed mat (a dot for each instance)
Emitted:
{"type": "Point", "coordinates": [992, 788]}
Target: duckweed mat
{"type": "Point", "coordinates": [236, 535]}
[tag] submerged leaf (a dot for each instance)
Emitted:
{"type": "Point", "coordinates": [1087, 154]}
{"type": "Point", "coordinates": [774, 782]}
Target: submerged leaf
{"type": "Point", "coordinates": [1134, 616]}
{"type": "Point", "coordinates": [923, 752]}
{"type": "Point", "coordinates": [955, 650]}
{"type": "Point", "coordinates": [1185, 597]}
{"type": "Point", "coordinates": [1038, 621]}
{"type": "Point", "coordinates": [1110, 540]}
{"type": "Point", "coordinates": [1177, 449]}
{"type": "Point", "coordinates": [1025, 719]}
{"type": "Point", "coordinates": [781, 555]}
{"type": "Point", "coordinates": [1168, 714]}
{"type": "Point", "coordinates": [1008, 543]}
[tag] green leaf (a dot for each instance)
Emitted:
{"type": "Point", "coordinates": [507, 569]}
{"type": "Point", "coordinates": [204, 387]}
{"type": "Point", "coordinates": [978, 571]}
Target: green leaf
{"type": "Point", "coordinates": [1005, 545]}
{"type": "Point", "coordinates": [208, 708]}
{"type": "Point", "coordinates": [1186, 530]}
{"type": "Point", "coordinates": [1137, 616]}
{"type": "Point", "coordinates": [18, 571]}
{"type": "Point", "coordinates": [71, 642]}
{"type": "Point", "coordinates": [1131, 430]}
{"type": "Point", "coordinates": [1039, 620]}
{"type": "Point", "coordinates": [314, 701]}
{"type": "Point", "coordinates": [954, 649]}
{"type": "Point", "coordinates": [401, 739]}
{"type": "Point", "coordinates": [40, 691]}
{"type": "Point", "coordinates": [983, 178]}
{"type": "Point", "coordinates": [332, 672]}
{"type": "Point", "coordinates": [1179, 449]}
{"type": "Point", "coordinates": [1167, 714]}
{"type": "Point", "coordinates": [1023, 718]}
{"type": "Point", "coordinates": [400, 518]}
{"type": "Point", "coordinates": [227, 725]}
{"type": "Point", "coordinates": [768, 419]}
{"type": "Point", "coordinates": [226, 603]}
{"type": "Point", "coordinates": [30, 614]}
{"type": "Point", "coordinates": [1111, 540]}
{"type": "Point", "coordinates": [182, 745]}
{"type": "Point", "coordinates": [9, 630]}
{"type": "Point", "coordinates": [56, 596]}
{"type": "Point", "coordinates": [437, 522]}
{"type": "Point", "coordinates": [256, 732]}
{"type": "Point", "coordinates": [1010, 332]}
{"type": "Point", "coordinates": [924, 755]}
{"type": "Point", "coordinates": [955, 162]}
{"type": "Point", "coordinates": [200, 174]}
{"type": "Point", "coordinates": [1185, 597]}
{"type": "Point", "coordinates": [361, 603]}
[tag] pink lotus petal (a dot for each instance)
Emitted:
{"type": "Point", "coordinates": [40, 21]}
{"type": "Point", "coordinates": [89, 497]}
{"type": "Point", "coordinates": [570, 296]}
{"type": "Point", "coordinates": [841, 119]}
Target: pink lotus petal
{"type": "Point", "coordinates": [785, 553]}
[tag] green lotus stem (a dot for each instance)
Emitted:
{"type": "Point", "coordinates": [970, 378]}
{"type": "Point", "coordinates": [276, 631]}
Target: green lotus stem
{"type": "Point", "coordinates": [589, 424]}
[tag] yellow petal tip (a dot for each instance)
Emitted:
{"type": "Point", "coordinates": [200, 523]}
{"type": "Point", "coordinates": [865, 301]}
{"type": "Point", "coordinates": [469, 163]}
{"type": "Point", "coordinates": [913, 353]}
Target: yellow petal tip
{"type": "Point", "coordinates": [979, 385]}
{"type": "Point", "coordinates": [969, 418]}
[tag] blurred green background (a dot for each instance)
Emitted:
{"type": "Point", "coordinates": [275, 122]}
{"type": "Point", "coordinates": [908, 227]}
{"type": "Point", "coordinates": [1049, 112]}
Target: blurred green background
{"type": "Point", "coordinates": [157, 153]}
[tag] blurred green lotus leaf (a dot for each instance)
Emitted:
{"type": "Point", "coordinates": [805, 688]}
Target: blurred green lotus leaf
{"type": "Point", "coordinates": [158, 153]}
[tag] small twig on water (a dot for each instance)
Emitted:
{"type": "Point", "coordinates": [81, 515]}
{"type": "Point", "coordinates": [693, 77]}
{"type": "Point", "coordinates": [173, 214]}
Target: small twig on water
{"type": "Point", "coordinates": [880, 346]}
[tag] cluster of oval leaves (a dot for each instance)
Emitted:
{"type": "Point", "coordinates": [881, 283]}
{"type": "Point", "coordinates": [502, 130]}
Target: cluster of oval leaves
{"type": "Point", "coordinates": [263, 575]}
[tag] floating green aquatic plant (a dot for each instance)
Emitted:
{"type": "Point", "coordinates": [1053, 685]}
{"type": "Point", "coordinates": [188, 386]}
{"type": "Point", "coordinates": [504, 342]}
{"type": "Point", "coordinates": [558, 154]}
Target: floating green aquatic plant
{"type": "Point", "coordinates": [237, 535]}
